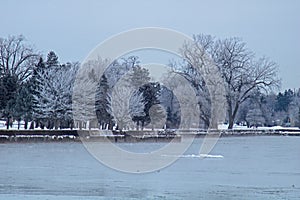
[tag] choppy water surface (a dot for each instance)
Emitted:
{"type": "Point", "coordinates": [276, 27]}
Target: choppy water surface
{"type": "Point", "coordinates": [262, 167]}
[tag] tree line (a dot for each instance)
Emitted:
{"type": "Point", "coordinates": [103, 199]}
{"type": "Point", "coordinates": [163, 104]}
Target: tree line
{"type": "Point", "coordinates": [32, 89]}
{"type": "Point", "coordinates": [39, 89]}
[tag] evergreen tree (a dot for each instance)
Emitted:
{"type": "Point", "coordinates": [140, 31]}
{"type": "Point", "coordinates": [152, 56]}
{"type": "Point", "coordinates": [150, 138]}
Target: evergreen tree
{"type": "Point", "coordinates": [23, 105]}
{"type": "Point", "coordinates": [139, 76]}
{"type": "Point", "coordinates": [38, 74]}
{"type": "Point", "coordinates": [52, 59]}
{"type": "Point", "coordinates": [284, 100]}
{"type": "Point", "coordinates": [151, 93]}
{"type": "Point", "coordinates": [103, 104]}
{"type": "Point", "coordinates": [8, 92]}
{"type": "Point", "coordinates": [53, 92]}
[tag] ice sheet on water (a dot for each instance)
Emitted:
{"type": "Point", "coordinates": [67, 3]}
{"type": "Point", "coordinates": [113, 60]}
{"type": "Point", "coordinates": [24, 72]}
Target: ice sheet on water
{"type": "Point", "coordinates": [196, 156]}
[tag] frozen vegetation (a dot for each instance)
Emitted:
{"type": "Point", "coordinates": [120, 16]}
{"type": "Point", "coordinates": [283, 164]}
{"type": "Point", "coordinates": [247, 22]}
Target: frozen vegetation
{"type": "Point", "coordinates": [38, 91]}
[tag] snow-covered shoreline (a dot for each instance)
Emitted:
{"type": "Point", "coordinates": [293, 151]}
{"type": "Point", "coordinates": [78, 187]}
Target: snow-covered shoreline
{"type": "Point", "coordinates": [134, 136]}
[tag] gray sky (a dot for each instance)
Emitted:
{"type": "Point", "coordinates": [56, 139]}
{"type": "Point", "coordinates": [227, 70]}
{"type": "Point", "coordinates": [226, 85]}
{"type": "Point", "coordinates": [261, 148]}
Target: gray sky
{"type": "Point", "coordinates": [73, 28]}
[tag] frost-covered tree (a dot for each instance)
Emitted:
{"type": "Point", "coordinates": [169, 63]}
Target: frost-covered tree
{"type": "Point", "coordinates": [38, 72]}
{"type": "Point", "coordinates": [240, 70]}
{"type": "Point", "coordinates": [294, 109]}
{"type": "Point", "coordinates": [188, 104]}
{"type": "Point", "coordinates": [197, 82]}
{"type": "Point", "coordinates": [52, 59]}
{"type": "Point", "coordinates": [127, 99]}
{"type": "Point", "coordinates": [119, 68]}
{"type": "Point", "coordinates": [132, 76]}
{"type": "Point", "coordinates": [86, 92]}
{"type": "Point", "coordinates": [126, 103]}
{"type": "Point", "coordinates": [137, 105]}
{"type": "Point", "coordinates": [99, 89]}
{"type": "Point", "coordinates": [139, 76]}
{"type": "Point", "coordinates": [53, 95]}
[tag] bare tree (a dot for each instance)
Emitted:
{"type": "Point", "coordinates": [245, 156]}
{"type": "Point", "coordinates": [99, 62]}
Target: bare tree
{"type": "Point", "coordinates": [186, 95]}
{"type": "Point", "coordinates": [240, 71]}
{"type": "Point", "coordinates": [16, 57]}
{"type": "Point", "coordinates": [17, 61]}
{"type": "Point", "coordinates": [196, 81]}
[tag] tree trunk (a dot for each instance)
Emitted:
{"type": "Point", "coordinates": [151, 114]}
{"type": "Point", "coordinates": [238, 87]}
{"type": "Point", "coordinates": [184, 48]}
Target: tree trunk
{"type": "Point", "coordinates": [7, 122]}
{"type": "Point", "coordinates": [71, 124]}
{"type": "Point", "coordinates": [56, 124]}
{"type": "Point", "coordinates": [32, 125]}
{"type": "Point", "coordinates": [232, 116]}
{"type": "Point", "coordinates": [80, 125]}
{"type": "Point", "coordinates": [90, 124]}
{"type": "Point", "coordinates": [120, 126]}
{"type": "Point", "coordinates": [143, 124]}
{"type": "Point", "coordinates": [110, 125]}
{"type": "Point", "coordinates": [37, 123]}
{"type": "Point", "coordinates": [25, 124]}
{"type": "Point", "coordinates": [42, 125]}
{"type": "Point", "coordinates": [231, 122]}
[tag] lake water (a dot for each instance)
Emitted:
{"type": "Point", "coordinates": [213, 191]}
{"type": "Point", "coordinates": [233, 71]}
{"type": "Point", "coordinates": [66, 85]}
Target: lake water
{"type": "Point", "coordinates": [262, 167]}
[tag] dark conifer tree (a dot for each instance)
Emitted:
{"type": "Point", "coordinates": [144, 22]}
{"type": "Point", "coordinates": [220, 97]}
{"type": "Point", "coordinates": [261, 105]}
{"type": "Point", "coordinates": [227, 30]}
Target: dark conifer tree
{"type": "Point", "coordinates": [103, 104]}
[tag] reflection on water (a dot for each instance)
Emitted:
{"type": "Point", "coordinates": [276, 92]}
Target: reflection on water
{"type": "Point", "coordinates": [249, 168]}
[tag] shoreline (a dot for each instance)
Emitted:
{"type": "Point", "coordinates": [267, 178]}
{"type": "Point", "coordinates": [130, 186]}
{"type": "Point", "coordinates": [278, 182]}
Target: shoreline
{"type": "Point", "coordinates": [16, 136]}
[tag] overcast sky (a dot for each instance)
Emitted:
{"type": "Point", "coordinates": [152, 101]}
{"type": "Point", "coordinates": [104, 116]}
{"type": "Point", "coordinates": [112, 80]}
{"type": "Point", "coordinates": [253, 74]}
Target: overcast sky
{"type": "Point", "coordinates": [72, 28]}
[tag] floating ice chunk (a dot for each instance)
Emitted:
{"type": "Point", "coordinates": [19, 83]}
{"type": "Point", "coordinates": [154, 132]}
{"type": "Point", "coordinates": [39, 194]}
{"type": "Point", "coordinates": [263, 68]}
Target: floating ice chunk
{"type": "Point", "coordinates": [196, 156]}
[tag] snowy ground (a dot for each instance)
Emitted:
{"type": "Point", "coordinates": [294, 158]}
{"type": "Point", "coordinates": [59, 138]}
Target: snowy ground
{"type": "Point", "coordinates": [14, 126]}
{"type": "Point", "coordinates": [238, 127]}
{"type": "Point", "coordinates": [221, 127]}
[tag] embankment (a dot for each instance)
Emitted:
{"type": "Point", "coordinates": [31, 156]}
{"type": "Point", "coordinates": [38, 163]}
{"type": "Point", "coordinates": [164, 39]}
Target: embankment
{"type": "Point", "coordinates": [128, 136]}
